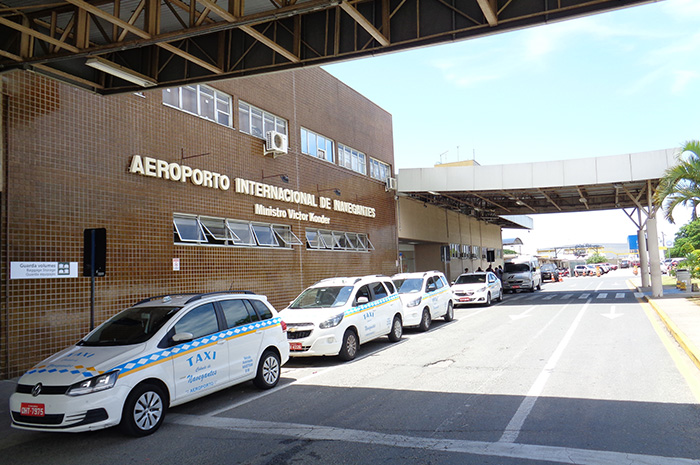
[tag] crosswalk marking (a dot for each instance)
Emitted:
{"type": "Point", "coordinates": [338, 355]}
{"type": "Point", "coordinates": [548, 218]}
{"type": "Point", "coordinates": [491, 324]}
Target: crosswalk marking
{"type": "Point", "coordinates": [583, 296]}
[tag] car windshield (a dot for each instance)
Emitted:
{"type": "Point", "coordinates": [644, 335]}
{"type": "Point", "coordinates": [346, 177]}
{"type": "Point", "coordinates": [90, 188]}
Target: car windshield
{"type": "Point", "coordinates": [408, 286]}
{"type": "Point", "coordinates": [323, 297]}
{"type": "Point", "coordinates": [516, 267]}
{"type": "Point", "coordinates": [471, 279]}
{"type": "Point", "coordinates": [132, 326]}
{"type": "Point", "coordinates": [547, 267]}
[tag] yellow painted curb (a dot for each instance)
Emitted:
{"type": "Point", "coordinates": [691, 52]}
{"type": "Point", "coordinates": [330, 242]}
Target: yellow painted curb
{"type": "Point", "coordinates": [678, 335]}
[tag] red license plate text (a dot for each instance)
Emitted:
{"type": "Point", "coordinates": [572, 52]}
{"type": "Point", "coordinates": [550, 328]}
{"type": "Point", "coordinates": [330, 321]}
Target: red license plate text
{"type": "Point", "coordinates": [32, 410]}
{"type": "Point", "coordinates": [295, 346]}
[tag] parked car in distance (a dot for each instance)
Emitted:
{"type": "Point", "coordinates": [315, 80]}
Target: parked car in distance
{"type": "Point", "coordinates": [549, 272]}
{"type": "Point", "coordinates": [624, 263]}
{"type": "Point", "coordinates": [581, 270]}
{"type": "Point", "coordinates": [162, 352]}
{"type": "Point", "coordinates": [336, 315]}
{"type": "Point", "coordinates": [425, 295]}
{"type": "Point", "coordinates": [522, 275]}
{"type": "Point", "coordinates": [477, 288]}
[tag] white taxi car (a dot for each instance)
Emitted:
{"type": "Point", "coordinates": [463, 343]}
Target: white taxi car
{"type": "Point", "coordinates": [161, 352]}
{"type": "Point", "coordinates": [477, 288]}
{"type": "Point", "coordinates": [425, 296]}
{"type": "Point", "coordinates": [336, 315]}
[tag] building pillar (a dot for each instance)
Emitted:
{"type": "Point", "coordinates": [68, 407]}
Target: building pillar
{"type": "Point", "coordinates": [643, 261]}
{"type": "Point", "coordinates": [657, 289]}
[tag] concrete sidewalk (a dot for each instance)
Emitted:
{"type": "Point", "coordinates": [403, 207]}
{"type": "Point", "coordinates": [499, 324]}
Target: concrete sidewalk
{"type": "Point", "coordinates": [681, 315]}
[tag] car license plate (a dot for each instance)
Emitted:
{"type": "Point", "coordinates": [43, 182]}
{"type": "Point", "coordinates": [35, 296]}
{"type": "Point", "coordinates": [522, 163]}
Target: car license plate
{"type": "Point", "coordinates": [515, 287]}
{"type": "Point", "coordinates": [295, 346]}
{"type": "Point", "coordinates": [464, 299]}
{"type": "Point", "coordinates": [31, 410]}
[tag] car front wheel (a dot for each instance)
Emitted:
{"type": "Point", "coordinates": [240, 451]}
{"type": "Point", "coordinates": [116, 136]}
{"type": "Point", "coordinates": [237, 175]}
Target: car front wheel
{"type": "Point", "coordinates": [488, 299]}
{"type": "Point", "coordinates": [144, 410]}
{"type": "Point", "coordinates": [348, 351]}
{"type": "Point", "coordinates": [425, 320]}
{"type": "Point", "coordinates": [269, 370]}
{"type": "Point", "coordinates": [396, 329]}
{"type": "Point", "coordinates": [450, 314]}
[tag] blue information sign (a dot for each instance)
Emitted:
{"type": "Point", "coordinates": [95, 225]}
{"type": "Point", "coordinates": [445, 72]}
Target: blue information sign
{"type": "Point", "coordinates": [633, 242]}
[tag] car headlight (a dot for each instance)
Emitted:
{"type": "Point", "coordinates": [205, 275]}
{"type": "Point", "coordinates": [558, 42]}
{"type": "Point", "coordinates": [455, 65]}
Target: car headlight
{"type": "Point", "coordinates": [414, 302]}
{"type": "Point", "coordinates": [94, 384]}
{"type": "Point", "coordinates": [332, 322]}
{"type": "Point", "coordinates": [481, 289]}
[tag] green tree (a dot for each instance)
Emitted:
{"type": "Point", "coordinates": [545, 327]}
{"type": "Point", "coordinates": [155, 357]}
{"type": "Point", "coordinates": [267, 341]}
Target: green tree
{"type": "Point", "coordinates": [596, 258]}
{"type": "Point", "coordinates": [680, 184]}
{"type": "Point", "coordinates": [687, 239]}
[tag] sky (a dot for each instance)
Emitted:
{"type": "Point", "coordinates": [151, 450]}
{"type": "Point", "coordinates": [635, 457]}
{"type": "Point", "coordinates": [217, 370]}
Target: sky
{"type": "Point", "coordinates": [618, 82]}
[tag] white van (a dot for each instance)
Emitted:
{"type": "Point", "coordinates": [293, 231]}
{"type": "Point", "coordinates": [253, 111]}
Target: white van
{"type": "Point", "coordinates": [522, 273]}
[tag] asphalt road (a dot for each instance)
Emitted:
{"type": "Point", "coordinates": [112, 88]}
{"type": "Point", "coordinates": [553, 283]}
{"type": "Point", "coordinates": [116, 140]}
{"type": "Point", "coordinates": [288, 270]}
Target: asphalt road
{"type": "Point", "coordinates": [576, 373]}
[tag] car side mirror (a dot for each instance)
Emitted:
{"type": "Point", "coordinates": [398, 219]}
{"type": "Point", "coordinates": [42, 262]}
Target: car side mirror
{"type": "Point", "coordinates": [431, 287]}
{"type": "Point", "coordinates": [362, 300]}
{"type": "Point", "coordinates": [182, 337]}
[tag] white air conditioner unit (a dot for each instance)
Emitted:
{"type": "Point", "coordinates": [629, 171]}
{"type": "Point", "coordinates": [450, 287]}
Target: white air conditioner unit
{"type": "Point", "coordinates": [275, 143]}
{"type": "Point", "coordinates": [391, 183]}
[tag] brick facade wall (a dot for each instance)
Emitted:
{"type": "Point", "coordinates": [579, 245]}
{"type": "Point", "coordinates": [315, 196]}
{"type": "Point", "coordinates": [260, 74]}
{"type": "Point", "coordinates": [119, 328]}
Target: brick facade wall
{"type": "Point", "coordinates": [67, 154]}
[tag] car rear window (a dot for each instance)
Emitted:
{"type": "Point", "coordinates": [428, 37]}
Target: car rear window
{"type": "Point", "coordinates": [262, 309]}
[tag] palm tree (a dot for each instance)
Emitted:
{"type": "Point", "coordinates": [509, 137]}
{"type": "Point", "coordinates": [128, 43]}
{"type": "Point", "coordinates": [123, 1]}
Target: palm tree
{"type": "Point", "coordinates": [681, 183]}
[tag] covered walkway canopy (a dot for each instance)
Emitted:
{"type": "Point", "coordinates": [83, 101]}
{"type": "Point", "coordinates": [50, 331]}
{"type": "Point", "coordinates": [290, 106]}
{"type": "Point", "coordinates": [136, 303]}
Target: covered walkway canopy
{"type": "Point", "coordinates": [493, 193]}
{"type": "Point", "coordinates": [587, 184]}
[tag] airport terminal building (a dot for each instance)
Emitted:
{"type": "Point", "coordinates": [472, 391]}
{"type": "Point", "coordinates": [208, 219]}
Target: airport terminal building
{"type": "Point", "coordinates": [267, 184]}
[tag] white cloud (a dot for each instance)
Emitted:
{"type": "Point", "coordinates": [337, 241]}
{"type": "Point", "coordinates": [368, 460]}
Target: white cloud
{"type": "Point", "coordinates": [682, 79]}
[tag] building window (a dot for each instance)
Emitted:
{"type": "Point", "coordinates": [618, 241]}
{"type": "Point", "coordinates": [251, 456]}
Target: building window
{"type": "Point", "coordinates": [257, 122]}
{"type": "Point", "coordinates": [323, 239]}
{"type": "Point", "coordinates": [352, 159]}
{"type": "Point", "coordinates": [202, 101]}
{"type": "Point", "coordinates": [316, 145]}
{"type": "Point", "coordinates": [475, 252]}
{"type": "Point", "coordinates": [204, 230]}
{"type": "Point", "coordinates": [379, 170]}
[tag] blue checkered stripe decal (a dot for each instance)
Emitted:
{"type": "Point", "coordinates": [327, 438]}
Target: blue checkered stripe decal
{"type": "Point", "coordinates": [371, 305]}
{"type": "Point", "coordinates": [437, 292]}
{"type": "Point", "coordinates": [158, 357]}
{"type": "Point", "coordinates": [87, 372]}
{"type": "Point", "coordinates": [163, 355]}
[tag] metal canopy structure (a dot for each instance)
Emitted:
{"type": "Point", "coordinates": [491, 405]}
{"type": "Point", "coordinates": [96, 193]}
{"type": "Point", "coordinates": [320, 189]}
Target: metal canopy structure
{"type": "Point", "coordinates": [493, 193]}
{"type": "Point", "coordinates": [112, 46]}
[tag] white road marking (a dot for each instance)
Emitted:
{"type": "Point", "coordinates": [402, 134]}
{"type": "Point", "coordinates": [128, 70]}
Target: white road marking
{"type": "Point", "coordinates": [603, 295]}
{"type": "Point", "coordinates": [620, 295]}
{"type": "Point", "coordinates": [612, 315]}
{"type": "Point", "coordinates": [522, 315]}
{"type": "Point", "coordinates": [584, 296]}
{"type": "Point", "coordinates": [516, 423]}
{"type": "Point", "coordinates": [534, 452]}
{"type": "Point", "coordinates": [567, 296]}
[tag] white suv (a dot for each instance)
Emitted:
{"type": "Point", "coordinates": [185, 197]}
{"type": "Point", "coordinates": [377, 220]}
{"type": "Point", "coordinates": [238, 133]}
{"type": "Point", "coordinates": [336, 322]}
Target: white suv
{"type": "Point", "coordinates": [161, 352]}
{"type": "Point", "coordinates": [425, 296]}
{"type": "Point", "coordinates": [336, 315]}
